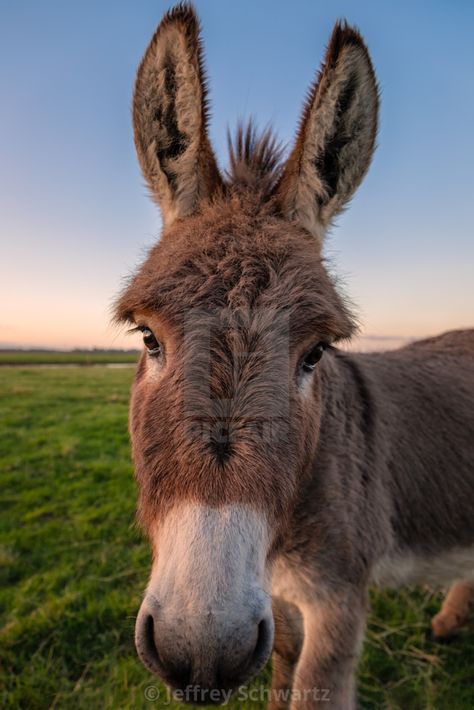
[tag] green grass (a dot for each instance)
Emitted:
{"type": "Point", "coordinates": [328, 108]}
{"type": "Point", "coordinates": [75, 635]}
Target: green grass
{"type": "Point", "coordinates": [71, 357]}
{"type": "Point", "coordinates": [73, 565]}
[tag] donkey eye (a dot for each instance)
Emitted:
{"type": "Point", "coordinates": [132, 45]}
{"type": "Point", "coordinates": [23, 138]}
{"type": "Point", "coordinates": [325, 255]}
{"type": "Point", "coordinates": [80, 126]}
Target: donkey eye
{"type": "Point", "coordinates": [313, 357]}
{"type": "Point", "coordinates": [150, 342]}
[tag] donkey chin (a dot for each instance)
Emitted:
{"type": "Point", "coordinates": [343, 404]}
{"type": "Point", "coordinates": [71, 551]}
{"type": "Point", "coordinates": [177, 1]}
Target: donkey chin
{"type": "Point", "coordinates": [205, 625]}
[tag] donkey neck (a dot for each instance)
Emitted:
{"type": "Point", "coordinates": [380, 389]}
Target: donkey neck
{"type": "Point", "coordinates": [378, 461]}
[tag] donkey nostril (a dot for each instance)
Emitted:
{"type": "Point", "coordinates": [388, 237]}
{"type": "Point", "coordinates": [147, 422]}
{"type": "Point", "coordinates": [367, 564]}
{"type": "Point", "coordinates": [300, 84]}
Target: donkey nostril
{"type": "Point", "coordinates": [261, 649]}
{"type": "Point", "coordinates": [176, 672]}
{"type": "Point", "coordinates": [149, 628]}
{"type": "Point", "coordinates": [260, 653]}
{"type": "Point", "coordinates": [149, 653]}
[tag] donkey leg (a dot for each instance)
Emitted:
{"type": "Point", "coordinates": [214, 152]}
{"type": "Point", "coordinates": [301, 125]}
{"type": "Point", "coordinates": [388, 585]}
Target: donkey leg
{"type": "Point", "coordinates": [333, 633]}
{"type": "Point", "coordinates": [286, 651]}
{"type": "Point", "coordinates": [457, 605]}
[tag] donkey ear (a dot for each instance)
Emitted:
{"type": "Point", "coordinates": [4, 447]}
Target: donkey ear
{"type": "Point", "coordinates": [336, 138]}
{"type": "Point", "coordinates": [170, 117]}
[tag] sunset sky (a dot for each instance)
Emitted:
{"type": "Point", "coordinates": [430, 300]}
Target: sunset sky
{"type": "Point", "coordinates": [74, 214]}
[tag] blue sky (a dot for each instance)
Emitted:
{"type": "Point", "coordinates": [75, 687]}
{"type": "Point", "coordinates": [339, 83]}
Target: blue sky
{"type": "Point", "coordinates": [74, 214]}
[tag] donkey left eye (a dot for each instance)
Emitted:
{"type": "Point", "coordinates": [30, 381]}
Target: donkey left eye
{"type": "Point", "coordinates": [313, 357]}
{"type": "Point", "coordinates": [151, 343]}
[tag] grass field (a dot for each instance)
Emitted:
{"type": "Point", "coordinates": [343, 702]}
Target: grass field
{"type": "Point", "coordinates": [73, 565]}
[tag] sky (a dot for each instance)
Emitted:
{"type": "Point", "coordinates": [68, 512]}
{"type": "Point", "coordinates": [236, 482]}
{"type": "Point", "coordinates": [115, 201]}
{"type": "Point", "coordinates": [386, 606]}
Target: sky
{"type": "Point", "coordinates": [75, 218]}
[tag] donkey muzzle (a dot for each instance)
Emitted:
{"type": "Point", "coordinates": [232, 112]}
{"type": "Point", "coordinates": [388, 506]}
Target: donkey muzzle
{"type": "Point", "coordinates": [205, 625]}
{"type": "Point", "coordinates": [207, 658]}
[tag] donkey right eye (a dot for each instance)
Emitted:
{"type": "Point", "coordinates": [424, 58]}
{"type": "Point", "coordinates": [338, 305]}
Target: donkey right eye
{"type": "Point", "coordinates": [151, 343]}
{"type": "Point", "coordinates": [313, 357]}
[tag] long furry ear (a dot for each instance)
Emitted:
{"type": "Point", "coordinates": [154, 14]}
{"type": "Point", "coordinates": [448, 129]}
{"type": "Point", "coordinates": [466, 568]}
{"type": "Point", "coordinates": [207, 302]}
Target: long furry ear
{"type": "Point", "coordinates": [170, 117]}
{"type": "Point", "coordinates": [336, 138]}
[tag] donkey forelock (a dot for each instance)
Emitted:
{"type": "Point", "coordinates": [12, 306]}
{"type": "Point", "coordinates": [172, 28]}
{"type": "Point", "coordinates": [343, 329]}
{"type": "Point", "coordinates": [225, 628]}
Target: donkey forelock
{"type": "Point", "coordinates": [231, 255]}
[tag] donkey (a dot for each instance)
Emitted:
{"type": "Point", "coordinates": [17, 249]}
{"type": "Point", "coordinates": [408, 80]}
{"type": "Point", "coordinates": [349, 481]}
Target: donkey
{"type": "Point", "coordinates": [278, 475]}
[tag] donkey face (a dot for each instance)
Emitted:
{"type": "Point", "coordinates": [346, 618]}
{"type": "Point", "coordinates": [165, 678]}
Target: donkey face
{"type": "Point", "coordinates": [236, 308]}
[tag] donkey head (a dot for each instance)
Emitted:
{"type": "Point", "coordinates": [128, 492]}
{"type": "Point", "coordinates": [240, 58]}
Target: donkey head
{"type": "Point", "coordinates": [236, 308]}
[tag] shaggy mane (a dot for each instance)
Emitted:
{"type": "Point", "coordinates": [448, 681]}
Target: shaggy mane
{"type": "Point", "coordinates": [255, 159]}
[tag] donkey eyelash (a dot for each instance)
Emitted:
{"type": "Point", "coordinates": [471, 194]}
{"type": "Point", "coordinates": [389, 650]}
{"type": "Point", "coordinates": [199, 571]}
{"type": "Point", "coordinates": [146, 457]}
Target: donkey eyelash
{"type": "Point", "coordinates": [137, 329]}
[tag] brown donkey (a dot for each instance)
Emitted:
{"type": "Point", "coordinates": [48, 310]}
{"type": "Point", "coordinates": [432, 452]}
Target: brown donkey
{"type": "Point", "coordinates": [279, 476]}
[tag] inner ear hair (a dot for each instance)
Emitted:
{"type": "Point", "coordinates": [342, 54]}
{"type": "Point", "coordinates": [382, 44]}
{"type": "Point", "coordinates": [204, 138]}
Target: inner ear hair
{"type": "Point", "coordinates": [170, 117]}
{"type": "Point", "coordinates": [336, 136]}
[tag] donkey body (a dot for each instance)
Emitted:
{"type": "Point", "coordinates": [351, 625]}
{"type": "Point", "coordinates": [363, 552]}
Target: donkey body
{"type": "Point", "coordinates": [389, 501]}
{"type": "Point", "coordinates": [279, 476]}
